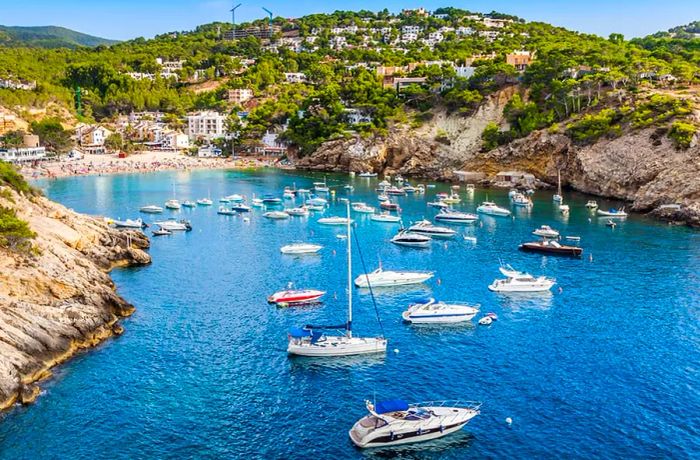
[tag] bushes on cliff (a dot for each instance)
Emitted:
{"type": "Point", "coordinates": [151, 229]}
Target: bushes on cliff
{"type": "Point", "coordinates": [10, 177]}
{"type": "Point", "coordinates": [15, 233]}
{"type": "Point", "coordinates": [592, 127]}
{"type": "Point", "coordinates": [682, 134]}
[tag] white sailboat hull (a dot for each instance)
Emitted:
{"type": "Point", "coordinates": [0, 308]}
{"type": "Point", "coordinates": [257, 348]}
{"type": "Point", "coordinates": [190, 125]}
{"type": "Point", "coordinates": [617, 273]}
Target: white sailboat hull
{"type": "Point", "coordinates": [337, 346]}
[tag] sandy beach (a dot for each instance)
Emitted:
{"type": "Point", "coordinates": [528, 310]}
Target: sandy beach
{"type": "Point", "coordinates": [136, 163]}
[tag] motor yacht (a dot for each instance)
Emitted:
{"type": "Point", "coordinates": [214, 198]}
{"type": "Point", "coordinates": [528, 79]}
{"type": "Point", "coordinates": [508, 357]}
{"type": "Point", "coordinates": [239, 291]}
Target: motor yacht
{"type": "Point", "coordinates": [175, 225]}
{"type": "Point", "coordinates": [300, 248]}
{"type": "Point", "coordinates": [551, 247]}
{"type": "Point", "coordinates": [438, 204]}
{"type": "Point", "coordinates": [491, 209]}
{"type": "Point", "coordinates": [240, 207]}
{"type": "Point", "coordinates": [276, 215]}
{"type": "Point", "coordinates": [382, 278]}
{"type": "Point", "coordinates": [452, 216]}
{"type": "Point", "coordinates": [426, 227]}
{"type": "Point", "coordinates": [546, 231]}
{"type": "Point", "coordinates": [173, 204]}
{"type": "Point", "coordinates": [406, 238]}
{"type": "Point", "coordinates": [129, 223]}
{"type": "Point", "coordinates": [235, 198]}
{"type": "Point", "coordinates": [295, 297]}
{"type": "Point", "coordinates": [257, 203]}
{"type": "Point", "coordinates": [321, 187]}
{"type": "Point", "coordinates": [453, 198]}
{"type": "Point", "coordinates": [522, 282]}
{"type": "Point", "coordinates": [385, 217]}
{"type": "Point", "coordinates": [612, 212]}
{"type": "Point", "coordinates": [224, 211]}
{"type": "Point", "coordinates": [271, 200]}
{"type": "Point", "coordinates": [431, 311]}
{"type": "Point", "coordinates": [362, 208]}
{"type": "Point", "coordinates": [521, 200]}
{"type": "Point", "coordinates": [151, 209]}
{"type": "Point", "coordinates": [316, 201]}
{"type": "Point", "coordinates": [367, 174]}
{"type": "Point", "coordinates": [205, 202]}
{"type": "Point", "coordinates": [302, 211]}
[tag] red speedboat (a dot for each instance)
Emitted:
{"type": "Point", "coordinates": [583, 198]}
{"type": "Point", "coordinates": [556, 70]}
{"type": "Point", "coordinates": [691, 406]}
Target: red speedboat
{"type": "Point", "coordinates": [389, 205]}
{"type": "Point", "coordinates": [295, 297]}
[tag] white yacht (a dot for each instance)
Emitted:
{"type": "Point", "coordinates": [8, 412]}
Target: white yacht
{"type": "Point", "coordinates": [189, 204]}
{"type": "Point", "coordinates": [173, 204]}
{"type": "Point", "coordinates": [406, 238]}
{"type": "Point", "coordinates": [438, 204]}
{"type": "Point", "coordinates": [381, 278]}
{"type": "Point", "coordinates": [151, 209]}
{"type": "Point", "coordinates": [521, 200]}
{"type": "Point", "coordinates": [397, 422]}
{"type": "Point", "coordinates": [492, 209]}
{"type": "Point", "coordinates": [321, 187]}
{"type": "Point", "coordinates": [313, 341]}
{"type": "Point", "coordinates": [612, 212]}
{"type": "Point", "coordinates": [175, 225]}
{"type": "Point", "coordinates": [257, 203]}
{"type": "Point", "coordinates": [426, 227]}
{"type": "Point", "coordinates": [334, 220]}
{"type": "Point", "coordinates": [522, 282]}
{"type": "Point", "coordinates": [431, 311]}
{"type": "Point", "coordinates": [276, 215]}
{"type": "Point", "coordinates": [362, 208]}
{"type": "Point", "coordinates": [205, 202]}
{"type": "Point", "coordinates": [301, 248]}
{"type": "Point", "coordinates": [224, 211]}
{"type": "Point", "coordinates": [302, 211]}
{"type": "Point", "coordinates": [452, 216]}
{"type": "Point", "coordinates": [546, 231]}
{"type": "Point", "coordinates": [129, 223]}
{"type": "Point", "coordinates": [453, 198]}
{"type": "Point", "coordinates": [385, 217]}
{"type": "Point", "coordinates": [316, 201]}
{"type": "Point", "coordinates": [367, 174]}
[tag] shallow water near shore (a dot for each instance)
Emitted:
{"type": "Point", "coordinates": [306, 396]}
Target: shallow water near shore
{"type": "Point", "coordinates": [608, 368]}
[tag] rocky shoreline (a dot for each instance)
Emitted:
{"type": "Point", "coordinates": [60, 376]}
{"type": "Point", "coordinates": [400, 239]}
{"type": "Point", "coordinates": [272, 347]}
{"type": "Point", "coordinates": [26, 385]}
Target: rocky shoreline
{"type": "Point", "coordinates": [60, 299]}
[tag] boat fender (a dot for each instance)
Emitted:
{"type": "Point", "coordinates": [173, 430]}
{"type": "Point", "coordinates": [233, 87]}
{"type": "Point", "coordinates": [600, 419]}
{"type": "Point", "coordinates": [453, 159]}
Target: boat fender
{"type": "Point", "coordinates": [391, 436]}
{"type": "Point", "coordinates": [396, 350]}
{"type": "Point", "coordinates": [439, 282]}
{"type": "Point", "coordinates": [509, 421]}
{"type": "Point", "coordinates": [442, 428]}
{"type": "Point", "coordinates": [419, 431]}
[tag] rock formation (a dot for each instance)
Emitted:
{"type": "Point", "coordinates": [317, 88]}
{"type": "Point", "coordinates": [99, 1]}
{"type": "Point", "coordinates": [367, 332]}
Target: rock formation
{"type": "Point", "coordinates": [59, 299]}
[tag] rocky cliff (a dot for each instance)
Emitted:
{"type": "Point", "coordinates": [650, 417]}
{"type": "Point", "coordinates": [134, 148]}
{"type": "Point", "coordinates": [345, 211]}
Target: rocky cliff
{"type": "Point", "coordinates": [59, 299]}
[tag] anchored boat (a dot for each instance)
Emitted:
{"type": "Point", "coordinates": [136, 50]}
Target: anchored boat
{"type": "Point", "coordinates": [410, 239]}
{"type": "Point", "coordinates": [381, 278]}
{"type": "Point", "coordinates": [551, 247]}
{"type": "Point", "coordinates": [431, 311]}
{"type": "Point", "coordinates": [426, 227]}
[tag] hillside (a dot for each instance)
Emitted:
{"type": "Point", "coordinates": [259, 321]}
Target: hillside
{"type": "Point", "coordinates": [48, 37]}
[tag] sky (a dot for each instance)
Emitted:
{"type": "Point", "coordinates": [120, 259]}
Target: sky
{"type": "Point", "coordinates": [125, 19]}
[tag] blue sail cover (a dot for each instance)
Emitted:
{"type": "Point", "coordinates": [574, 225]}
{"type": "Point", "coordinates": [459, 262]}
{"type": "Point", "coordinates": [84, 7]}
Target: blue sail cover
{"type": "Point", "coordinates": [422, 300]}
{"type": "Point", "coordinates": [392, 405]}
{"type": "Point", "coordinates": [298, 332]}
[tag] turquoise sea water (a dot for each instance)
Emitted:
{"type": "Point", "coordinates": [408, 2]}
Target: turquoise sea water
{"type": "Point", "coordinates": [606, 368]}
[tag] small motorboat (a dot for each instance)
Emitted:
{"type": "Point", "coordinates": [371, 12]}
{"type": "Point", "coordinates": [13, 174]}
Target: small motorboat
{"type": "Point", "coordinates": [385, 217]}
{"type": "Point", "coordinates": [321, 187]}
{"type": "Point", "coordinates": [257, 203]}
{"type": "Point", "coordinates": [151, 209]}
{"type": "Point", "coordinates": [610, 223]}
{"type": "Point", "coordinates": [426, 227]}
{"type": "Point", "coordinates": [397, 422]}
{"type": "Point", "coordinates": [592, 204]}
{"type": "Point", "coordinates": [410, 239]}
{"type": "Point", "coordinates": [205, 202]}
{"type": "Point", "coordinates": [129, 223]}
{"type": "Point", "coordinates": [382, 197]}
{"type": "Point", "coordinates": [295, 297]}
{"type": "Point", "coordinates": [397, 191]}
{"type": "Point", "coordinates": [491, 209]}
{"type": "Point", "coordinates": [470, 239]}
{"type": "Point", "coordinates": [456, 217]}
{"type": "Point", "coordinates": [546, 231]}
{"type": "Point", "coordinates": [316, 201]}
{"type": "Point", "coordinates": [551, 247]}
{"type": "Point", "coordinates": [612, 212]}
{"type": "Point", "coordinates": [271, 200]}
{"type": "Point", "coordinates": [521, 200]}
{"type": "Point", "coordinates": [431, 311]}
{"type": "Point", "coordinates": [522, 282]}
{"type": "Point", "coordinates": [276, 215]}
{"type": "Point", "coordinates": [301, 248]}
{"type": "Point", "coordinates": [173, 204]}
{"type": "Point", "coordinates": [314, 207]}
{"type": "Point", "coordinates": [389, 205]}
{"type": "Point", "coordinates": [453, 198]}
{"type": "Point", "coordinates": [302, 211]}
{"type": "Point", "coordinates": [161, 232]}
{"type": "Point", "coordinates": [382, 278]}
{"type": "Point", "coordinates": [175, 225]}
{"type": "Point", "coordinates": [224, 211]}
{"type": "Point", "coordinates": [367, 174]}
{"type": "Point", "coordinates": [362, 208]}
{"type": "Point", "coordinates": [189, 204]}
{"type": "Point", "coordinates": [486, 321]}
{"type": "Point", "coordinates": [240, 207]}
{"type": "Point", "coordinates": [334, 220]}
{"type": "Point", "coordinates": [349, 188]}
{"type": "Point", "coordinates": [438, 204]}
{"type": "Point", "coordinates": [409, 189]}
{"type": "Point", "coordinates": [235, 198]}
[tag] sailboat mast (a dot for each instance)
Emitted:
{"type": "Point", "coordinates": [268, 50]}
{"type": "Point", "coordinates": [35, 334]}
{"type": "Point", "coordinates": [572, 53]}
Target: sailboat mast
{"type": "Point", "coordinates": [349, 230]}
{"type": "Point", "coordinates": [559, 182]}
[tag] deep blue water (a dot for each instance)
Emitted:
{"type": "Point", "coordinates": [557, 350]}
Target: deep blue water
{"type": "Point", "coordinates": [607, 368]}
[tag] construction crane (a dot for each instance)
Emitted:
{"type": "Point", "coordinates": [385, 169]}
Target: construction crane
{"type": "Point", "coordinates": [270, 14]}
{"type": "Point", "coordinates": [233, 19]}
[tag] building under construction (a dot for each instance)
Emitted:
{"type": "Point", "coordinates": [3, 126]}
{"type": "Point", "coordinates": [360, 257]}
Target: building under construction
{"type": "Point", "coordinates": [260, 32]}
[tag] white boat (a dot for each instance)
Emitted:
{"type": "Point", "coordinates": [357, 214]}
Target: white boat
{"type": "Point", "coordinates": [383, 197]}
{"type": "Point", "coordinates": [205, 202]}
{"type": "Point", "coordinates": [172, 204]}
{"type": "Point", "coordinates": [612, 212]}
{"type": "Point", "coordinates": [276, 215]}
{"type": "Point", "coordinates": [313, 341]}
{"type": "Point", "coordinates": [301, 248]}
{"type": "Point", "coordinates": [316, 201]}
{"type": "Point", "coordinates": [315, 207]}
{"type": "Point", "coordinates": [349, 188]}
{"type": "Point", "coordinates": [408, 188]}
{"type": "Point", "coordinates": [241, 207]}
{"type": "Point", "coordinates": [302, 211]}
{"type": "Point", "coordinates": [151, 209]}
{"type": "Point", "coordinates": [288, 195]}
{"type": "Point", "coordinates": [431, 311]}
{"type": "Point", "coordinates": [452, 216]}
{"type": "Point", "coordinates": [367, 174]}
{"type": "Point", "coordinates": [362, 208]}
{"type": "Point", "coordinates": [426, 227]}
{"type": "Point", "coordinates": [384, 184]}
{"type": "Point", "coordinates": [385, 217]}
{"type": "Point", "coordinates": [523, 282]}
{"type": "Point", "coordinates": [406, 238]}
{"type": "Point", "coordinates": [321, 187]}
{"type": "Point", "coordinates": [396, 422]}
{"type": "Point", "coordinates": [564, 209]}
{"type": "Point", "coordinates": [224, 211]}
{"type": "Point", "coordinates": [546, 231]}
{"type": "Point", "coordinates": [491, 209]}
{"type": "Point", "coordinates": [557, 198]}
{"type": "Point", "coordinates": [438, 204]}
{"type": "Point", "coordinates": [512, 193]}
{"type": "Point", "coordinates": [189, 204]}
{"type": "Point", "coordinates": [335, 220]}
{"type": "Point", "coordinates": [381, 278]}
{"type": "Point", "coordinates": [521, 200]}
{"type": "Point", "coordinates": [129, 223]}
{"type": "Point", "coordinates": [592, 204]}
{"type": "Point", "coordinates": [175, 225]}
{"type": "Point", "coordinates": [235, 198]}
{"type": "Point", "coordinates": [257, 203]}
{"type": "Point", "coordinates": [453, 198]}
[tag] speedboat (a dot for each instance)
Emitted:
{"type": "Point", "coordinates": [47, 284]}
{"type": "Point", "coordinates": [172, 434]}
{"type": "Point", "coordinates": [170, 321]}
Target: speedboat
{"type": "Point", "coordinates": [240, 207]}
{"type": "Point", "coordinates": [612, 212]}
{"type": "Point", "coordinates": [301, 248]}
{"type": "Point", "coordinates": [381, 277]}
{"type": "Point", "coordinates": [362, 208]}
{"type": "Point", "coordinates": [335, 220]}
{"type": "Point", "coordinates": [406, 238]}
{"type": "Point", "coordinates": [397, 422]}
{"type": "Point", "coordinates": [129, 223]}
{"type": "Point", "coordinates": [383, 184]}
{"type": "Point", "coordinates": [367, 174]}
{"type": "Point", "coordinates": [395, 191]}
{"type": "Point", "coordinates": [592, 204]}
{"type": "Point", "coordinates": [385, 217]}
{"type": "Point", "coordinates": [276, 215]}
{"type": "Point", "coordinates": [522, 282]}
{"type": "Point", "coordinates": [295, 297]}
{"type": "Point", "coordinates": [425, 227]}
{"type": "Point", "coordinates": [302, 211]}
{"type": "Point", "coordinates": [315, 207]}
{"type": "Point", "coordinates": [431, 311]}
{"type": "Point", "coordinates": [151, 209]}
{"type": "Point", "coordinates": [551, 247]}
{"type": "Point", "coordinates": [389, 205]}
{"type": "Point", "coordinates": [172, 204]}
{"type": "Point", "coordinates": [438, 204]}
{"type": "Point", "coordinates": [235, 198]}
{"type": "Point", "coordinates": [452, 199]}
{"type": "Point", "coordinates": [408, 188]}
{"type": "Point", "coordinates": [175, 225]}
{"type": "Point", "coordinates": [546, 231]}
{"type": "Point", "coordinates": [189, 204]}
{"type": "Point", "coordinates": [205, 202]}
{"type": "Point", "coordinates": [224, 211]}
{"type": "Point", "coordinates": [452, 216]}
{"type": "Point", "coordinates": [317, 201]}
{"type": "Point", "coordinates": [271, 200]}
{"type": "Point", "coordinates": [161, 232]}
{"type": "Point", "coordinates": [382, 197]}
{"type": "Point", "coordinates": [521, 200]}
{"type": "Point", "coordinates": [491, 209]}
{"type": "Point", "coordinates": [257, 203]}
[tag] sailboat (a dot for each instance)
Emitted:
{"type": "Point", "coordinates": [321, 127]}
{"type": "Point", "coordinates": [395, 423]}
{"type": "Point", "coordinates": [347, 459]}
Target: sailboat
{"type": "Point", "coordinates": [558, 198]}
{"type": "Point", "coordinates": [312, 340]}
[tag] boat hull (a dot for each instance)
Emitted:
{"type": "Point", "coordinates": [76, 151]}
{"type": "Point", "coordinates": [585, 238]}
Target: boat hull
{"type": "Point", "coordinates": [338, 347]}
{"type": "Point", "coordinates": [569, 251]}
{"type": "Point", "coordinates": [437, 319]}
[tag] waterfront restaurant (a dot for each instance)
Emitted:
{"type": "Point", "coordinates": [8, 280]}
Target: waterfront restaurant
{"type": "Point", "coordinates": [23, 155]}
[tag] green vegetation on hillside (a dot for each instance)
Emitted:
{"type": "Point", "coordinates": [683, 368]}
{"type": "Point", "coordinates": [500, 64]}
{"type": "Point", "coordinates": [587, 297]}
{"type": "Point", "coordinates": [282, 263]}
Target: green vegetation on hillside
{"type": "Point", "coordinates": [48, 37]}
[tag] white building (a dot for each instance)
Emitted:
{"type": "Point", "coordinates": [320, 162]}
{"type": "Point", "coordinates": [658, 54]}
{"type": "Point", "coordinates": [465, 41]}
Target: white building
{"type": "Point", "coordinates": [174, 140]}
{"type": "Point", "coordinates": [489, 35]}
{"type": "Point", "coordinates": [294, 77]}
{"type": "Point", "coordinates": [462, 30]}
{"type": "Point", "coordinates": [338, 42]}
{"type": "Point", "coordinates": [436, 37]}
{"type": "Point", "coordinates": [23, 155]}
{"type": "Point", "coordinates": [208, 152]}
{"type": "Point", "coordinates": [207, 125]}
{"type": "Point", "coordinates": [411, 30]}
{"type": "Point", "coordinates": [240, 95]}
{"type": "Point", "coordinates": [92, 138]}
{"type": "Point", "coordinates": [409, 37]}
{"type": "Point", "coordinates": [496, 23]}
{"type": "Point", "coordinates": [465, 71]}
